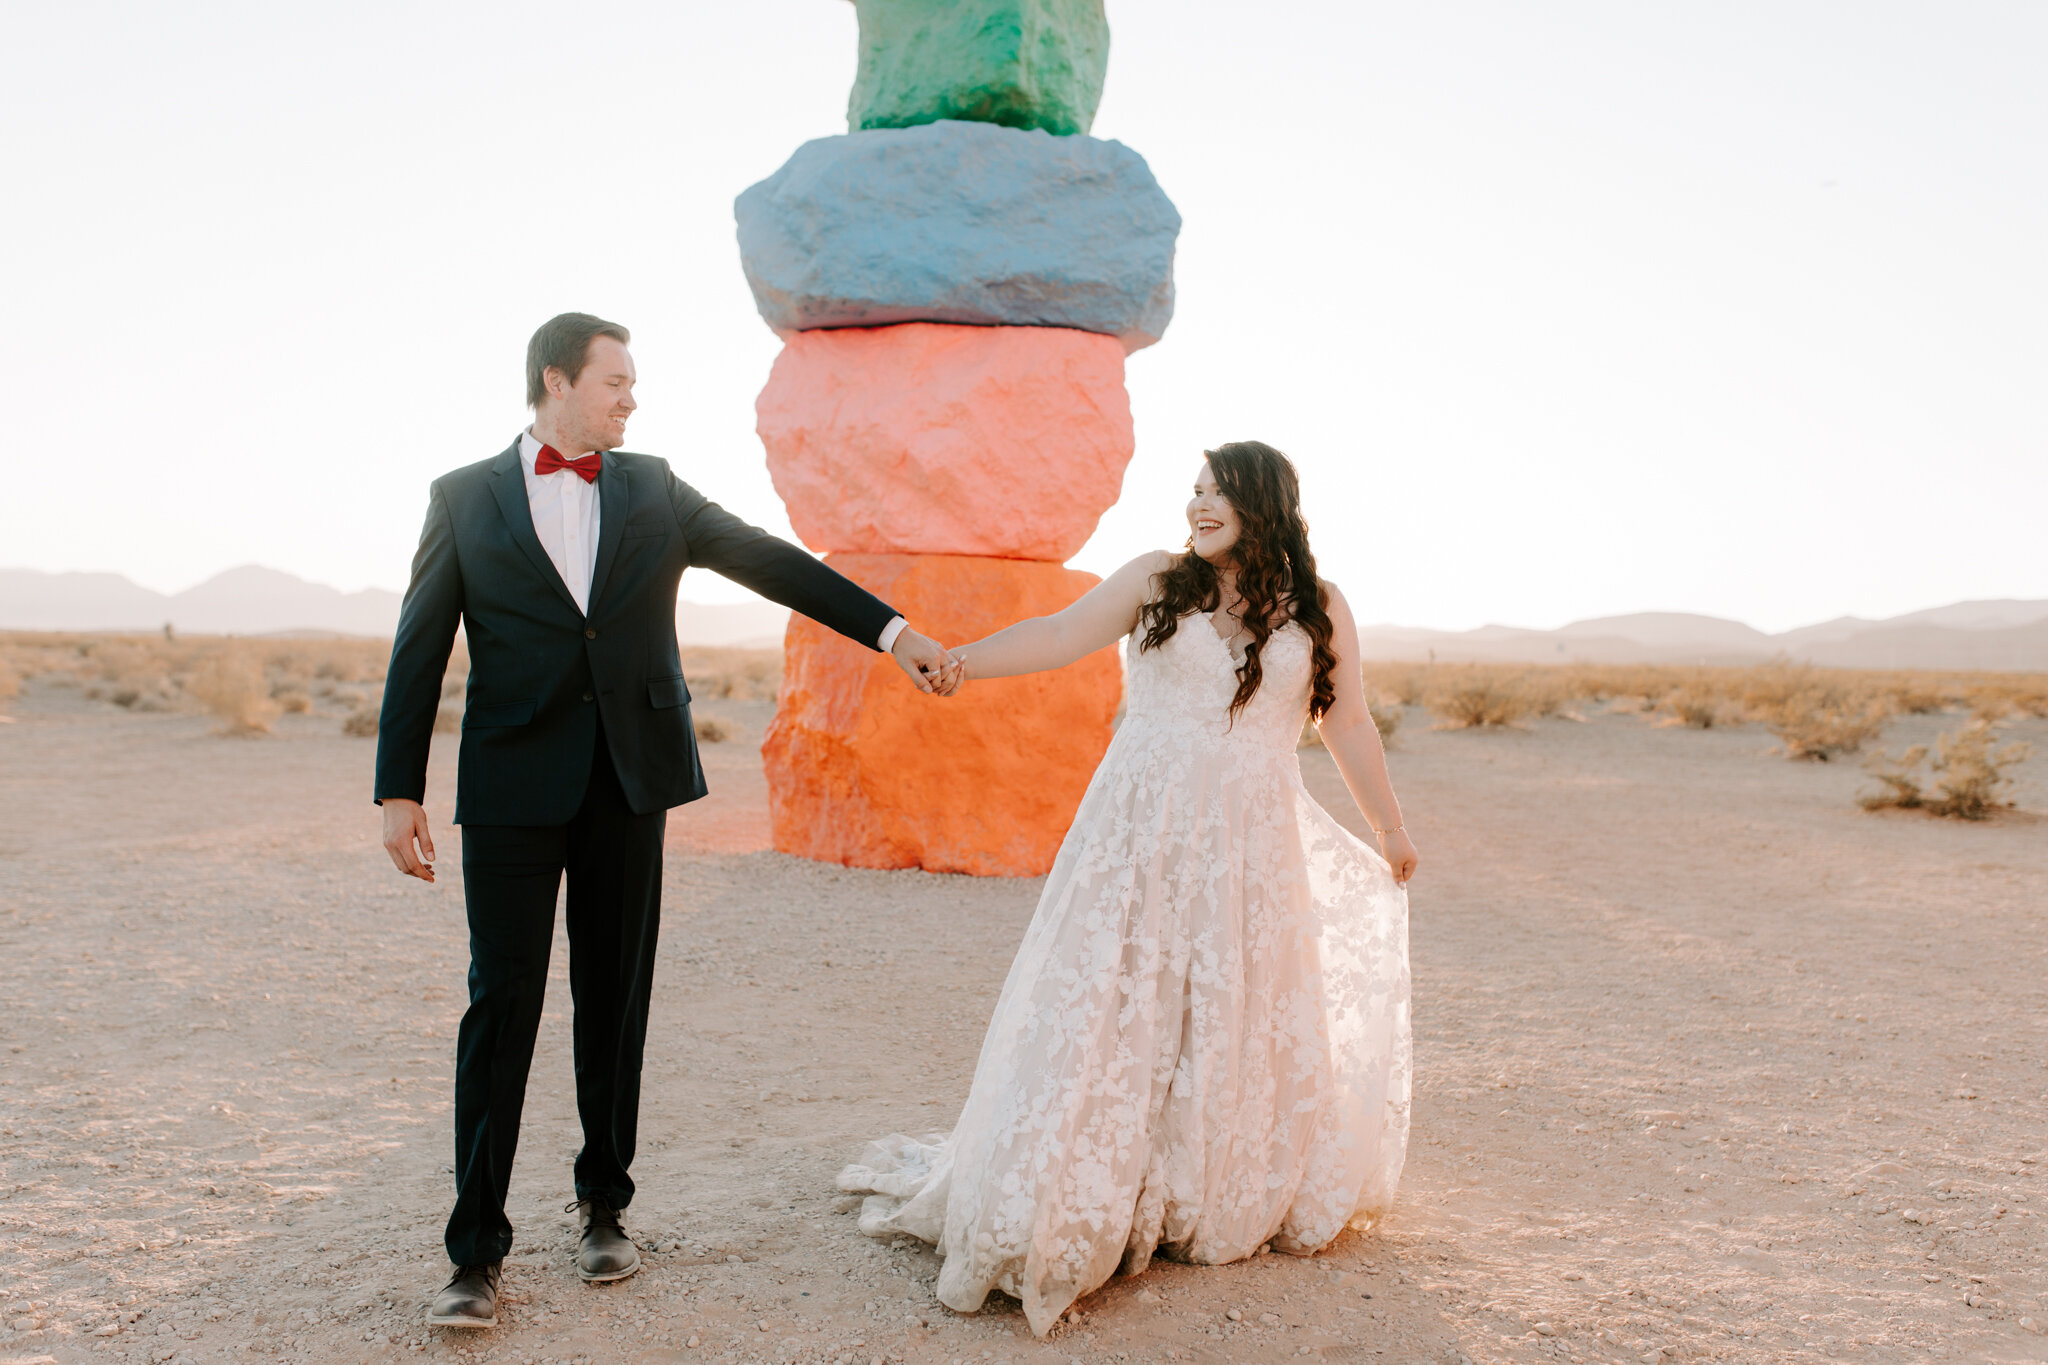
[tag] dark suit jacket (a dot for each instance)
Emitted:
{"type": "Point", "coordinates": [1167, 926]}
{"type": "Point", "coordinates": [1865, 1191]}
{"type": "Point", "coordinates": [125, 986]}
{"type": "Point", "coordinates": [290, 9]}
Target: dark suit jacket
{"type": "Point", "coordinates": [541, 672]}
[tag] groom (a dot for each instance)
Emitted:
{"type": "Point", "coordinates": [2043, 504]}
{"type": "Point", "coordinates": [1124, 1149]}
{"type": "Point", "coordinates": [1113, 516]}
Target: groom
{"type": "Point", "coordinates": [560, 557]}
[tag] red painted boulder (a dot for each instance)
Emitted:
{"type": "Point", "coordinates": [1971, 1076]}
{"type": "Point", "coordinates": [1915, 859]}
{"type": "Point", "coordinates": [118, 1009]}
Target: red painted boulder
{"type": "Point", "coordinates": [926, 438]}
{"type": "Point", "coordinates": [864, 769]}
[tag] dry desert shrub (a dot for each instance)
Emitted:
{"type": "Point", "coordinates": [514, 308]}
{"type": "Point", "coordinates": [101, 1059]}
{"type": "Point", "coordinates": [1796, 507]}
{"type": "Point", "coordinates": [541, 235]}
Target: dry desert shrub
{"type": "Point", "coordinates": [1591, 683]}
{"type": "Point", "coordinates": [1697, 708]}
{"type": "Point", "coordinates": [1996, 698]}
{"type": "Point", "coordinates": [741, 674]}
{"type": "Point", "coordinates": [1826, 711]}
{"type": "Point", "coordinates": [312, 667]}
{"type": "Point", "coordinates": [10, 679]}
{"type": "Point", "coordinates": [1816, 713]}
{"type": "Point", "coordinates": [361, 723]}
{"type": "Point", "coordinates": [1696, 698]}
{"type": "Point", "coordinates": [139, 673]}
{"type": "Point", "coordinates": [1900, 777]}
{"type": "Point", "coordinates": [1405, 684]}
{"type": "Point", "coordinates": [712, 730]}
{"type": "Point", "coordinates": [1820, 727]}
{"type": "Point", "coordinates": [342, 661]}
{"type": "Point", "coordinates": [1625, 688]}
{"type": "Point", "coordinates": [34, 655]}
{"type": "Point", "coordinates": [229, 682]}
{"type": "Point", "coordinates": [1917, 697]}
{"type": "Point", "coordinates": [1763, 690]}
{"type": "Point", "coordinates": [1546, 691]}
{"type": "Point", "coordinates": [1988, 705]}
{"type": "Point", "coordinates": [156, 672]}
{"type": "Point", "coordinates": [1476, 697]}
{"type": "Point", "coordinates": [1971, 775]}
{"type": "Point", "coordinates": [1472, 695]}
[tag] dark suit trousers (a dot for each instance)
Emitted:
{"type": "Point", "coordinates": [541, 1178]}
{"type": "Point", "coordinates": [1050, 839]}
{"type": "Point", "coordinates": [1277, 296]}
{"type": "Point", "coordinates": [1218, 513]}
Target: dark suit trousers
{"type": "Point", "coordinates": [511, 876]}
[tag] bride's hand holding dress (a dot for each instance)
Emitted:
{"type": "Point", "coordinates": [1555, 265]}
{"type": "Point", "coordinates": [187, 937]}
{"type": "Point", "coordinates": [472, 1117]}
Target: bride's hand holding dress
{"type": "Point", "coordinates": [1348, 732]}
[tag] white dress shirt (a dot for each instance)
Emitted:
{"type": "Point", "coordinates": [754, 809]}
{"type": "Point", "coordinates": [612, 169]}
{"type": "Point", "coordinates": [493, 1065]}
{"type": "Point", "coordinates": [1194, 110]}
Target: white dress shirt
{"type": "Point", "coordinates": [565, 514]}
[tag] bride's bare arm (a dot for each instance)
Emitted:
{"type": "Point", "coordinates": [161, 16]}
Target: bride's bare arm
{"type": "Point", "coordinates": [1104, 614]}
{"type": "Point", "coordinates": [1354, 741]}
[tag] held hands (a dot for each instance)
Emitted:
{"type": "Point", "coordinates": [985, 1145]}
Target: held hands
{"type": "Point", "coordinates": [1400, 854]}
{"type": "Point", "coordinates": [929, 665]}
{"type": "Point", "coordinates": [405, 823]}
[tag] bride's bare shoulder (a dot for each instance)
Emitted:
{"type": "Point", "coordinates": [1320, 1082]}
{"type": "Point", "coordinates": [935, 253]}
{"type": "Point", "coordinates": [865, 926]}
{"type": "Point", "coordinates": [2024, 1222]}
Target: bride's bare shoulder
{"type": "Point", "coordinates": [1157, 561]}
{"type": "Point", "coordinates": [1339, 609]}
{"type": "Point", "coordinates": [1141, 571]}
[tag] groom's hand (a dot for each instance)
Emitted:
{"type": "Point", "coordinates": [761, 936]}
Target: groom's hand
{"type": "Point", "coordinates": [404, 823]}
{"type": "Point", "coordinates": [928, 664]}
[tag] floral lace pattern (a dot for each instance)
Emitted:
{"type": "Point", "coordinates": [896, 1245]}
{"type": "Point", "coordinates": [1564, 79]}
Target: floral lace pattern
{"type": "Point", "coordinates": [1203, 1044]}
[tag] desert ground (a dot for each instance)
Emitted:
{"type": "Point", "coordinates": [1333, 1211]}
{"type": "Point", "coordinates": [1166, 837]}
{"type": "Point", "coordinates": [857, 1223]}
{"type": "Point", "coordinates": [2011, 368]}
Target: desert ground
{"type": "Point", "coordinates": [1711, 1064]}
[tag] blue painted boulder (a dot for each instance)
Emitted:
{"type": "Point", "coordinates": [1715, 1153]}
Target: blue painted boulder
{"type": "Point", "coordinates": [964, 223]}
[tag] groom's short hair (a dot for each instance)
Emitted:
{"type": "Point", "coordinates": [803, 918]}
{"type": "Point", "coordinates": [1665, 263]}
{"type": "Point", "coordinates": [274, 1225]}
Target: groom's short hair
{"type": "Point", "coordinates": [563, 343]}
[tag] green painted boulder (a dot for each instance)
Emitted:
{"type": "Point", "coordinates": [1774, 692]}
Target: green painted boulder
{"type": "Point", "coordinates": [1020, 63]}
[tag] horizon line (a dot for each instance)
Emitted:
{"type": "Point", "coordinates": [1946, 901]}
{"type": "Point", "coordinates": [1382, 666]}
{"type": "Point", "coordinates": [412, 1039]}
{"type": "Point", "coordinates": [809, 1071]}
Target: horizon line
{"type": "Point", "coordinates": [1378, 625]}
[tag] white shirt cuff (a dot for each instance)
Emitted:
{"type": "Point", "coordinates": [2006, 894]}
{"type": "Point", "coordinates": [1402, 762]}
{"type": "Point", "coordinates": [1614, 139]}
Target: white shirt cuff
{"type": "Point", "coordinates": [889, 634]}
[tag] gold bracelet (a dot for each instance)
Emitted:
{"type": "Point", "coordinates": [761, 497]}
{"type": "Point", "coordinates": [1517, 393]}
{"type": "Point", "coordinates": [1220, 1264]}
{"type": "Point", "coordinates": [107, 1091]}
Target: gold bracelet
{"type": "Point", "coordinates": [1398, 829]}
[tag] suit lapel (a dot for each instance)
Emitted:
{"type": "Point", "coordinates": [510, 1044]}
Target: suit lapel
{"type": "Point", "coordinates": [614, 500]}
{"type": "Point", "coordinates": [508, 485]}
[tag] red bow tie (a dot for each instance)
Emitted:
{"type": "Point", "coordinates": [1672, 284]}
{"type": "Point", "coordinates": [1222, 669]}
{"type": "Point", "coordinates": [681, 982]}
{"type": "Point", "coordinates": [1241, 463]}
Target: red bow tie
{"type": "Point", "coordinates": [585, 467]}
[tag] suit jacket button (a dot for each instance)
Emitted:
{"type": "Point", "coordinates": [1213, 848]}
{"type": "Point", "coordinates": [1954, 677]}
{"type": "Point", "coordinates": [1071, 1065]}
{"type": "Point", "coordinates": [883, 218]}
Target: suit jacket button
{"type": "Point", "coordinates": [588, 697]}
{"type": "Point", "coordinates": [590, 635]}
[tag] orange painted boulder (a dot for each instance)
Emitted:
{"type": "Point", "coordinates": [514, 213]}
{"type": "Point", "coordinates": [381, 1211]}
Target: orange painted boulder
{"type": "Point", "coordinates": [866, 770]}
{"type": "Point", "coordinates": [927, 438]}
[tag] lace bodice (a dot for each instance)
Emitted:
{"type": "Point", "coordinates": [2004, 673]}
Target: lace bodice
{"type": "Point", "coordinates": [1187, 682]}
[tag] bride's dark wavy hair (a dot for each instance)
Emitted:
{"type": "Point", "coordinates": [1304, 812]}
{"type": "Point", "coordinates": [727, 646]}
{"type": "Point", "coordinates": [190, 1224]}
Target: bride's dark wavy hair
{"type": "Point", "coordinates": [1276, 574]}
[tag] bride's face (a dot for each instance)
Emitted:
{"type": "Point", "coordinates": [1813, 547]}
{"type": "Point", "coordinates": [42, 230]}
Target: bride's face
{"type": "Point", "coordinates": [1212, 521]}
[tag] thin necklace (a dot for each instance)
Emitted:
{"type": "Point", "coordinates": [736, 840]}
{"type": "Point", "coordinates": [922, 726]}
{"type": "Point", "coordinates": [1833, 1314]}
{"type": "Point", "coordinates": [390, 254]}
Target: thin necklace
{"type": "Point", "coordinates": [1229, 614]}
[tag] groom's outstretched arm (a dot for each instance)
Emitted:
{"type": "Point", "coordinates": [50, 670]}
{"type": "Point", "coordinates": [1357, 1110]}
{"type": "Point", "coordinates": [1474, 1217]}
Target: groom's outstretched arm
{"type": "Point", "coordinates": [419, 657]}
{"type": "Point", "coordinates": [778, 570]}
{"type": "Point", "coordinates": [785, 573]}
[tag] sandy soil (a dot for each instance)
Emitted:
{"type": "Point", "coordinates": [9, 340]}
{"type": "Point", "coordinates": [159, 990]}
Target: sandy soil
{"type": "Point", "coordinates": [1710, 1063]}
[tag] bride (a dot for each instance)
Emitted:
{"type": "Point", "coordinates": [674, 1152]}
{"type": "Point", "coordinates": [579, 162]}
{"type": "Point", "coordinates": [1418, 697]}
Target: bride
{"type": "Point", "coordinates": [1202, 1047]}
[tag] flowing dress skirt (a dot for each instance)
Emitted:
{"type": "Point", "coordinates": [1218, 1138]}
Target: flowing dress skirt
{"type": "Point", "coordinates": [1201, 1048]}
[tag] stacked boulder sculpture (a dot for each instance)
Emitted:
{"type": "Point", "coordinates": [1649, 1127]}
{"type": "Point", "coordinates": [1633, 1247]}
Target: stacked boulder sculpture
{"type": "Point", "coordinates": [957, 281]}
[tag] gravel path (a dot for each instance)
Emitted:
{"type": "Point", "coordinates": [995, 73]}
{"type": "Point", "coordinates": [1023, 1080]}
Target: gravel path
{"type": "Point", "coordinates": [1711, 1065]}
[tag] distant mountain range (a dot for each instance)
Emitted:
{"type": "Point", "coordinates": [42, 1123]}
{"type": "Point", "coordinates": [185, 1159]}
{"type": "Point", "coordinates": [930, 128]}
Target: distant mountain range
{"type": "Point", "coordinates": [245, 601]}
{"type": "Point", "coordinates": [253, 600]}
{"type": "Point", "coordinates": [2005, 635]}
{"type": "Point", "coordinates": [2008, 635]}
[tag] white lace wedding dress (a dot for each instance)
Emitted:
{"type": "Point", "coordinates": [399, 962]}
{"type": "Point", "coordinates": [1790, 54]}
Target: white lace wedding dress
{"type": "Point", "coordinates": [1203, 1043]}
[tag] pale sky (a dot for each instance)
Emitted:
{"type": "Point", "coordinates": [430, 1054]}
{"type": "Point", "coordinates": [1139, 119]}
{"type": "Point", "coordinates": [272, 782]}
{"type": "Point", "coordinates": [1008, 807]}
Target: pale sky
{"type": "Point", "coordinates": [1564, 310]}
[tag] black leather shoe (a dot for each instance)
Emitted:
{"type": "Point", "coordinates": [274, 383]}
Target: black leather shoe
{"type": "Point", "coordinates": [607, 1252]}
{"type": "Point", "coordinates": [471, 1298]}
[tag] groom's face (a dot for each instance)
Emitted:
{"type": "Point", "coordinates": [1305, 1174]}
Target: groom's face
{"type": "Point", "coordinates": [593, 410]}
